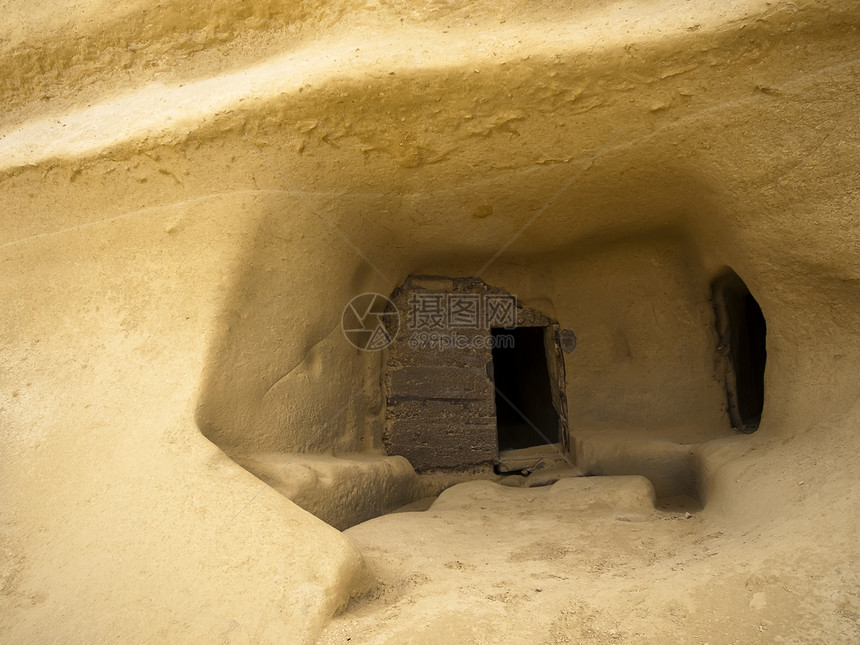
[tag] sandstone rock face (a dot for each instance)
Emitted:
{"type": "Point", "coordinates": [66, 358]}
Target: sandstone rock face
{"type": "Point", "coordinates": [194, 193]}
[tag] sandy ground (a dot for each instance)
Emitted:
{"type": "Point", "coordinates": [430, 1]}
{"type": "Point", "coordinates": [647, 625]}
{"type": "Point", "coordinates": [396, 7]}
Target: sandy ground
{"type": "Point", "coordinates": [584, 560]}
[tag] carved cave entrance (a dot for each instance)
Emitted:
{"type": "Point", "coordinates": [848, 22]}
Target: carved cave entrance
{"type": "Point", "coordinates": [742, 335]}
{"type": "Point", "coordinates": [475, 395]}
{"type": "Point", "coordinates": [525, 413]}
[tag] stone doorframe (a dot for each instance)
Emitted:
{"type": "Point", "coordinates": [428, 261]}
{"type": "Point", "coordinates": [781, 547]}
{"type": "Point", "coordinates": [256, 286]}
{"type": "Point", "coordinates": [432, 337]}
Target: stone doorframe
{"type": "Point", "coordinates": [439, 383]}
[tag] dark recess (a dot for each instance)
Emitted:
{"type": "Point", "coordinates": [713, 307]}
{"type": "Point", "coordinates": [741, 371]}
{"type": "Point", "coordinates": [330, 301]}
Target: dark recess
{"type": "Point", "coordinates": [742, 331]}
{"type": "Point", "coordinates": [523, 390]}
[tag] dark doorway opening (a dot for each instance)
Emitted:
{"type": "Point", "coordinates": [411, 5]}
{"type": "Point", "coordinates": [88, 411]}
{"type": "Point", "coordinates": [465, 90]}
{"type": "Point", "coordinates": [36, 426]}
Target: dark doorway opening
{"type": "Point", "coordinates": [742, 332]}
{"type": "Point", "coordinates": [525, 414]}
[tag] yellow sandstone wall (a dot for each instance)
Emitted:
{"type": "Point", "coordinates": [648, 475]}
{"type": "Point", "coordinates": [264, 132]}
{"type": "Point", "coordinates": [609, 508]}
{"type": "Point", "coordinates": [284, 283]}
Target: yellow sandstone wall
{"type": "Point", "coordinates": [168, 295]}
